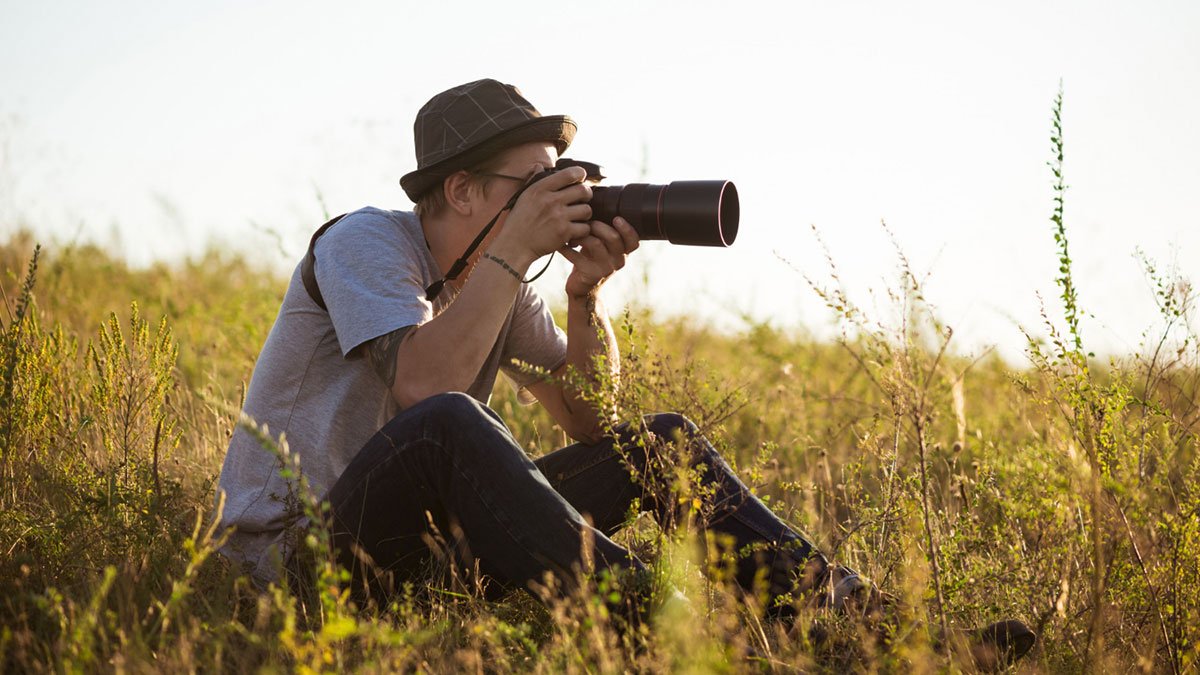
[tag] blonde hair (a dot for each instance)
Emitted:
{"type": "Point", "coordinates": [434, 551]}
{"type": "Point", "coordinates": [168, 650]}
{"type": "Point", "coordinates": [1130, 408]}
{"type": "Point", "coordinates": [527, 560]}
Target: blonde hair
{"type": "Point", "coordinates": [434, 199]}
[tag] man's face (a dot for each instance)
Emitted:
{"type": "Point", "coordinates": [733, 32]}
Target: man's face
{"type": "Point", "coordinates": [524, 162]}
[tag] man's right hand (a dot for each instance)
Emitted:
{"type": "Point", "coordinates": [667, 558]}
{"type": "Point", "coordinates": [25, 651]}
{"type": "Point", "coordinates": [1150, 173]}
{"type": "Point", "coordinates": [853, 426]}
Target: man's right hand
{"type": "Point", "coordinates": [550, 213]}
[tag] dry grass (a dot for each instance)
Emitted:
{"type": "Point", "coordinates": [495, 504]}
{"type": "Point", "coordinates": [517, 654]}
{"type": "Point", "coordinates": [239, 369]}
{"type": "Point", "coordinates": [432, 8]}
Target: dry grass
{"type": "Point", "coordinates": [1065, 492]}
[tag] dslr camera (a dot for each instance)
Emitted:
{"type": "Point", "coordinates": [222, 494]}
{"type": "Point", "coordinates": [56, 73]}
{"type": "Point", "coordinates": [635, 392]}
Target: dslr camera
{"type": "Point", "coordinates": [687, 212]}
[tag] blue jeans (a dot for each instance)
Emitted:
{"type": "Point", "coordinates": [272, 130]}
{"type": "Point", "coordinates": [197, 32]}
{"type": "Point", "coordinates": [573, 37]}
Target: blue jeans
{"type": "Point", "coordinates": [447, 470]}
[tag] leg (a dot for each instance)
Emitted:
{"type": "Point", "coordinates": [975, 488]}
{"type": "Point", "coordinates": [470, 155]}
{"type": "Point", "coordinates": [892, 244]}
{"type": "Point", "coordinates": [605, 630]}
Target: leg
{"type": "Point", "coordinates": [603, 479]}
{"type": "Point", "coordinates": [450, 461]}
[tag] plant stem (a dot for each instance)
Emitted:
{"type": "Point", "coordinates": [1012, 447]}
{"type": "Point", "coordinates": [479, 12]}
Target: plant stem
{"type": "Point", "coordinates": [930, 542]}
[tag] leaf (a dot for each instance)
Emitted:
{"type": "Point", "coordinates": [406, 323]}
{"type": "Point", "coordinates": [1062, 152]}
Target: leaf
{"type": "Point", "coordinates": [339, 628]}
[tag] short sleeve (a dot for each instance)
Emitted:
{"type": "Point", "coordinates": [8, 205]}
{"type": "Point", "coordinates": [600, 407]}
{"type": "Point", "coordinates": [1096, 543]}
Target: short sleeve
{"type": "Point", "coordinates": [371, 277]}
{"type": "Point", "coordinates": [533, 339]}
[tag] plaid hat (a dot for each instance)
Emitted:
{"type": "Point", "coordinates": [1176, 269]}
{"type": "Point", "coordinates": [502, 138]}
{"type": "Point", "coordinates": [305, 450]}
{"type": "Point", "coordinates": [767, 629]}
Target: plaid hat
{"type": "Point", "coordinates": [470, 123]}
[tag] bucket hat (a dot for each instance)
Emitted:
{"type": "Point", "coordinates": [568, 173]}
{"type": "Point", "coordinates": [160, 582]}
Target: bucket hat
{"type": "Point", "coordinates": [466, 125]}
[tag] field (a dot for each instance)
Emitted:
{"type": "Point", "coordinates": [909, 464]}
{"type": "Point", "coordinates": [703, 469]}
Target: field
{"type": "Point", "coordinates": [1063, 491]}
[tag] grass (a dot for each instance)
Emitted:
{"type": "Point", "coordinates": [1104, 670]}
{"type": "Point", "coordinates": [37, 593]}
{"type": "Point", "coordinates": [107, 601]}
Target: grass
{"type": "Point", "coordinates": [1064, 491]}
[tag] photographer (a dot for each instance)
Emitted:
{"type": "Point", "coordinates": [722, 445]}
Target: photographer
{"type": "Point", "coordinates": [379, 376]}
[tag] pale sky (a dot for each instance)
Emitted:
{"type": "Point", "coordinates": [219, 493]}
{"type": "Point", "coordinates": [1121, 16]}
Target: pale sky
{"type": "Point", "coordinates": [162, 127]}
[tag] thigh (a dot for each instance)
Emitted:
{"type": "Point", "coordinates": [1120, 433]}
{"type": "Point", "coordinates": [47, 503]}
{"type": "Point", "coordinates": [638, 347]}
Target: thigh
{"type": "Point", "coordinates": [381, 525]}
{"type": "Point", "coordinates": [387, 516]}
{"type": "Point", "coordinates": [443, 486]}
{"type": "Point", "coordinates": [595, 479]}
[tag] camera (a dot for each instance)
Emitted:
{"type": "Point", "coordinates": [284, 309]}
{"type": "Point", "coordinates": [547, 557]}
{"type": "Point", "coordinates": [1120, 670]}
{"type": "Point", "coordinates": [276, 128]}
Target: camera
{"type": "Point", "coordinates": [686, 212]}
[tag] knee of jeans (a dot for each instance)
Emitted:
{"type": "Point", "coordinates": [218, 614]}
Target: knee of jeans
{"type": "Point", "coordinates": [670, 426]}
{"type": "Point", "coordinates": [458, 415]}
{"type": "Point", "coordinates": [452, 403]}
{"type": "Point", "coordinates": [454, 410]}
{"type": "Point", "coordinates": [675, 429]}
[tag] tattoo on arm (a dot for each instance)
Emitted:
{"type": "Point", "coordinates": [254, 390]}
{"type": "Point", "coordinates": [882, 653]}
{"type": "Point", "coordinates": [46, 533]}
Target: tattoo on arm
{"type": "Point", "coordinates": [382, 353]}
{"type": "Point", "coordinates": [590, 309]}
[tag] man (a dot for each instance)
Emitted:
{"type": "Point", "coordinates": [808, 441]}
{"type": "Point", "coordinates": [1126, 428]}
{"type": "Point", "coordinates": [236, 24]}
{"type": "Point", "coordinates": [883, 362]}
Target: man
{"type": "Point", "coordinates": [382, 393]}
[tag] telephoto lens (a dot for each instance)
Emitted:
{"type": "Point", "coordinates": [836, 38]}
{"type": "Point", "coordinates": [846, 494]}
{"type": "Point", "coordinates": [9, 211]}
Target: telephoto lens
{"type": "Point", "coordinates": [687, 212]}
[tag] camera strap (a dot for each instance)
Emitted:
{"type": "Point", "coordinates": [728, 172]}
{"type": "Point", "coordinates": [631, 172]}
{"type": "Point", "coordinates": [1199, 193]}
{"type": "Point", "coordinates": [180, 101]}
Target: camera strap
{"type": "Point", "coordinates": [308, 266]}
{"type": "Point", "coordinates": [434, 289]}
{"type": "Point", "coordinates": [308, 273]}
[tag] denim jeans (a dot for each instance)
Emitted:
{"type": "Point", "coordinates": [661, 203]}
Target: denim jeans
{"type": "Point", "coordinates": [447, 470]}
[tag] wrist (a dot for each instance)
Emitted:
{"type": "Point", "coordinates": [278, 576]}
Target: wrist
{"type": "Point", "coordinates": [587, 296]}
{"type": "Point", "coordinates": [516, 256]}
{"type": "Point", "coordinates": [512, 271]}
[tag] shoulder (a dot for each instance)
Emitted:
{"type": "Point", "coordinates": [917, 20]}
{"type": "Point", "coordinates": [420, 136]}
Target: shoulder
{"type": "Point", "coordinates": [374, 225]}
{"type": "Point", "coordinates": [370, 233]}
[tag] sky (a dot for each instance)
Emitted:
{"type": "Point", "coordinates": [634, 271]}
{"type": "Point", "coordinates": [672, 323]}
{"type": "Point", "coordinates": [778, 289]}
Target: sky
{"type": "Point", "coordinates": [164, 128]}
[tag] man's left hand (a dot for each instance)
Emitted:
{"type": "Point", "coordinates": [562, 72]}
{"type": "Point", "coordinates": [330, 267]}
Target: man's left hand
{"type": "Point", "coordinates": [598, 254]}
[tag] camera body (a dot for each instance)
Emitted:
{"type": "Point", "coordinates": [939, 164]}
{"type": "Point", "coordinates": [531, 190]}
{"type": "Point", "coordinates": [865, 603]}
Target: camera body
{"type": "Point", "coordinates": [685, 212]}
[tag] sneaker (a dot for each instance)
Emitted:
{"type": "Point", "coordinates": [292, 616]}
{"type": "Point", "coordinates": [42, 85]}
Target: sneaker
{"type": "Point", "coordinates": [991, 648]}
{"type": "Point", "coordinates": [997, 646]}
{"type": "Point", "coordinates": [846, 592]}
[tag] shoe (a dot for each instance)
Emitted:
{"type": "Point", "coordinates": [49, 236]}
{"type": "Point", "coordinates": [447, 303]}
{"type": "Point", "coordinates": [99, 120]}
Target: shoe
{"type": "Point", "coordinates": [997, 646]}
{"type": "Point", "coordinates": [991, 648]}
{"type": "Point", "coordinates": [848, 593]}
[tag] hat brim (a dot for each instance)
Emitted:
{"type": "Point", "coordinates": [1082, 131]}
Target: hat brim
{"type": "Point", "coordinates": [556, 129]}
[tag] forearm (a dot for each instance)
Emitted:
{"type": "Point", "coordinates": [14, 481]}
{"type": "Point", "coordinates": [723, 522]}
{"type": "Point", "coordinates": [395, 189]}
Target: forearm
{"type": "Point", "coordinates": [447, 352]}
{"type": "Point", "coordinates": [590, 335]}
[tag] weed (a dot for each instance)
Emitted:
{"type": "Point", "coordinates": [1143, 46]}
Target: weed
{"type": "Point", "coordinates": [1065, 492]}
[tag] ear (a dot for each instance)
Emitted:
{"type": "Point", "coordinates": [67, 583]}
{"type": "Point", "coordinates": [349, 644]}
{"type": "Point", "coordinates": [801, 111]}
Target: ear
{"type": "Point", "coordinates": [457, 190]}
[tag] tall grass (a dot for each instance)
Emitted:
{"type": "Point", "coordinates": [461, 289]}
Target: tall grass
{"type": "Point", "coordinates": [1065, 491]}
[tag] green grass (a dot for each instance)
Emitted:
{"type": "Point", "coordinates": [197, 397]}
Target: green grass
{"type": "Point", "coordinates": [1064, 491]}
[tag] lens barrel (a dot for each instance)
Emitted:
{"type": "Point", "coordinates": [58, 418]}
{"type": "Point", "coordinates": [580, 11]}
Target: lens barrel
{"type": "Point", "coordinates": [687, 212]}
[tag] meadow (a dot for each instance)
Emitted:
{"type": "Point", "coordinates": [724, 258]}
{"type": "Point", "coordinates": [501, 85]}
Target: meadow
{"type": "Point", "coordinates": [1063, 490]}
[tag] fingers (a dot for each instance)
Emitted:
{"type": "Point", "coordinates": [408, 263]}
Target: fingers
{"type": "Point", "coordinates": [580, 213]}
{"type": "Point", "coordinates": [586, 247]}
{"type": "Point", "coordinates": [576, 232]}
{"type": "Point", "coordinates": [575, 194]}
{"type": "Point", "coordinates": [599, 254]}
{"type": "Point", "coordinates": [629, 236]}
{"type": "Point", "coordinates": [594, 248]}
{"type": "Point", "coordinates": [614, 245]}
{"type": "Point", "coordinates": [583, 259]}
{"type": "Point", "coordinates": [620, 239]}
{"type": "Point", "coordinates": [561, 179]}
{"type": "Point", "coordinates": [570, 254]}
{"type": "Point", "coordinates": [572, 198]}
{"type": "Point", "coordinates": [596, 252]}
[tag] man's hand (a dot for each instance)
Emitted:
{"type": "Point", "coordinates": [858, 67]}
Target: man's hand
{"type": "Point", "coordinates": [601, 252]}
{"type": "Point", "coordinates": [549, 214]}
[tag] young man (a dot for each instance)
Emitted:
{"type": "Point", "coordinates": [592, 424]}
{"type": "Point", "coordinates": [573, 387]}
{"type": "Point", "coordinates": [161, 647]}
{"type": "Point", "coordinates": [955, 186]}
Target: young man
{"type": "Point", "coordinates": [383, 394]}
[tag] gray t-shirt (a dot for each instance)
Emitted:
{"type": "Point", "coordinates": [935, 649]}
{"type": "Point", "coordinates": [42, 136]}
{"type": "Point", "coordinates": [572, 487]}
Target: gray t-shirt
{"type": "Point", "coordinates": [312, 387]}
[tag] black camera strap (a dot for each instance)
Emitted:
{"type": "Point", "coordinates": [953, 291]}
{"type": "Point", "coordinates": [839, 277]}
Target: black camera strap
{"type": "Point", "coordinates": [308, 266]}
{"type": "Point", "coordinates": [459, 265]}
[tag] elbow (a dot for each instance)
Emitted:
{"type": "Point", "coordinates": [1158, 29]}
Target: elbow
{"type": "Point", "coordinates": [418, 384]}
{"type": "Point", "coordinates": [409, 393]}
{"type": "Point", "coordinates": [589, 431]}
{"type": "Point", "coordinates": [405, 397]}
{"type": "Point", "coordinates": [584, 423]}
{"type": "Point", "coordinates": [590, 437]}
